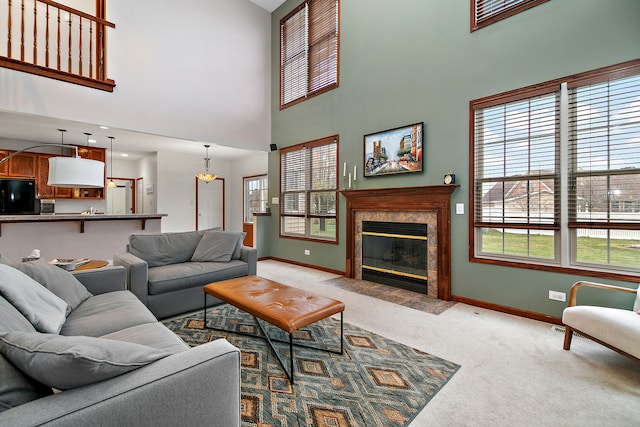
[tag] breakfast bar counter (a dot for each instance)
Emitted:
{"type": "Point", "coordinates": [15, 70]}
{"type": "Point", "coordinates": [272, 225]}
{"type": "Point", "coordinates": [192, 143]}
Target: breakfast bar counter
{"type": "Point", "coordinates": [68, 235]}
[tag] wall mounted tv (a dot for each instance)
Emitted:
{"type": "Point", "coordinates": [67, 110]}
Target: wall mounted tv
{"type": "Point", "coordinates": [18, 196]}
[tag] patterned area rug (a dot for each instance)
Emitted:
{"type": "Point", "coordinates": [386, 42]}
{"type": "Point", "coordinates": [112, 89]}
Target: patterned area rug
{"type": "Point", "coordinates": [376, 382]}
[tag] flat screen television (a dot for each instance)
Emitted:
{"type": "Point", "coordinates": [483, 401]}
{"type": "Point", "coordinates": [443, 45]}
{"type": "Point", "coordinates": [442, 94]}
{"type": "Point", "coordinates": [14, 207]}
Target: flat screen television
{"type": "Point", "coordinates": [18, 196]}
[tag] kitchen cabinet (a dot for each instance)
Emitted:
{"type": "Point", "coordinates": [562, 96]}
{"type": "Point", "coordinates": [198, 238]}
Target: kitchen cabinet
{"type": "Point", "coordinates": [45, 191]}
{"type": "Point", "coordinates": [93, 153]}
{"type": "Point", "coordinates": [36, 165]}
{"type": "Point", "coordinates": [21, 166]}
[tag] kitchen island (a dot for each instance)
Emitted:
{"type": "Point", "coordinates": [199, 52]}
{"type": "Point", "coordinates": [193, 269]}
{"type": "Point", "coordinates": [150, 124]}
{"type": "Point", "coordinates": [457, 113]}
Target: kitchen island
{"type": "Point", "coordinates": [96, 236]}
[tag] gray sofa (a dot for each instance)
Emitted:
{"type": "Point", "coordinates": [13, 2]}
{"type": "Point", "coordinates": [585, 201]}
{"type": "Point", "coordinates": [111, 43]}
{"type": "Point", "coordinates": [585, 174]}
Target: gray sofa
{"type": "Point", "coordinates": [167, 271]}
{"type": "Point", "coordinates": [78, 350]}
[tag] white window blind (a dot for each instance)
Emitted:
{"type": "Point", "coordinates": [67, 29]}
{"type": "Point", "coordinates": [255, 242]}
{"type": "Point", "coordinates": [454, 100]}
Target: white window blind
{"type": "Point", "coordinates": [485, 12]}
{"type": "Point", "coordinates": [605, 152]}
{"type": "Point", "coordinates": [516, 163]}
{"type": "Point", "coordinates": [309, 50]}
{"type": "Point", "coordinates": [557, 174]}
{"type": "Point", "coordinates": [308, 190]}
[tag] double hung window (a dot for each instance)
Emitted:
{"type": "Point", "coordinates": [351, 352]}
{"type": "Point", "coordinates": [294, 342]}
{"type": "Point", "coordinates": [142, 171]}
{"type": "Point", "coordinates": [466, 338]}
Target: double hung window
{"type": "Point", "coordinates": [556, 178]}
{"type": "Point", "coordinates": [309, 190]}
{"type": "Point", "coordinates": [256, 189]}
{"type": "Point", "coordinates": [309, 51]}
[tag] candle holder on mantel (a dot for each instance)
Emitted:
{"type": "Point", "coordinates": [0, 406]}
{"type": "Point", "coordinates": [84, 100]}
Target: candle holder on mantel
{"type": "Point", "coordinates": [349, 182]}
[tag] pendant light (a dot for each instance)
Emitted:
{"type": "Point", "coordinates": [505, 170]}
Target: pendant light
{"type": "Point", "coordinates": [206, 176]}
{"type": "Point", "coordinates": [111, 184]}
{"type": "Point", "coordinates": [70, 172]}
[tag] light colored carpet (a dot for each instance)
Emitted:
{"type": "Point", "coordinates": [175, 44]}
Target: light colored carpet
{"type": "Point", "coordinates": [514, 371]}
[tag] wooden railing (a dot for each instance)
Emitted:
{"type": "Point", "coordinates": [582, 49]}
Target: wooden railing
{"type": "Point", "coordinates": [53, 40]}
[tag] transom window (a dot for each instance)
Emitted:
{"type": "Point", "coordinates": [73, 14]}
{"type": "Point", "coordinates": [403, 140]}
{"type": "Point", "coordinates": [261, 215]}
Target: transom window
{"type": "Point", "coordinates": [487, 12]}
{"type": "Point", "coordinates": [309, 190]}
{"type": "Point", "coordinates": [309, 41]}
{"type": "Point", "coordinates": [557, 173]}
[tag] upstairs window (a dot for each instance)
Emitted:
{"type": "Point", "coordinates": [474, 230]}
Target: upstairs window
{"type": "Point", "coordinates": [487, 12]}
{"type": "Point", "coordinates": [309, 190]}
{"type": "Point", "coordinates": [309, 41]}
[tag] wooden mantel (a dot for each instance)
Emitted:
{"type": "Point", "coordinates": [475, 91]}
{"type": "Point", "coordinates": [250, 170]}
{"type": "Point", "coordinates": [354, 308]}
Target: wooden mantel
{"type": "Point", "coordinates": [434, 198]}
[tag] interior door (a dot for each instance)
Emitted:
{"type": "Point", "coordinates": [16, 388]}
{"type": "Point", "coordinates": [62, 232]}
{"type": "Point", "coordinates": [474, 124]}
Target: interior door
{"type": "Point", "coordinates": [209, 204]}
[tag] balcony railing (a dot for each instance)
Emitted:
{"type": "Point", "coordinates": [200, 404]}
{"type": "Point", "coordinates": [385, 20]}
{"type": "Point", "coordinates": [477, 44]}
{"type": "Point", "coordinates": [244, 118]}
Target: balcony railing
{"type": "Point", "coordinates": [53, 40]}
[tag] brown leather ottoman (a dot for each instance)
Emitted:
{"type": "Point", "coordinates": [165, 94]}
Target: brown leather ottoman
{"type": "Point", "coordinates": [283, 306]}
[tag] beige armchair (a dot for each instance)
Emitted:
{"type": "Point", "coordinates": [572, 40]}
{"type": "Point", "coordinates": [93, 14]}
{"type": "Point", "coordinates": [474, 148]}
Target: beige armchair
{"type": "Point", "coordinates": [615, 328]}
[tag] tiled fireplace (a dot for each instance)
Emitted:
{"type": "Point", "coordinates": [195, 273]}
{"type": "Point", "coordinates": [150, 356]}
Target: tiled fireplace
{"type": "Point", "coordinates": [417, 219]}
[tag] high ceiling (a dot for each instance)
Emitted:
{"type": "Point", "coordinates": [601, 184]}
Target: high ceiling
{"type": "Point", "coordinates": [25, 127]}
{"type": "Point", "coordinates": [269, 5]}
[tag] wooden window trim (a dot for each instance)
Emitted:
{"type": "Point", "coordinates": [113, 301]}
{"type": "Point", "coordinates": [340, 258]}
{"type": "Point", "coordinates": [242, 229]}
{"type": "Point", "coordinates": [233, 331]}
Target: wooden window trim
{"type": "Point", "coordinates": [309, 93]}
{"type": "Point", "coordinates": [612, 72]}
{"type": "Point", "coordinates": [307, 214]}
{"type": "Point", "coordinates": [499, 16]}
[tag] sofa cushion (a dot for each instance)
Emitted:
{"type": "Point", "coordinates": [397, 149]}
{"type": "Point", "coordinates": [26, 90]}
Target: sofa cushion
{"type": "Point", "coordinates": [106, 313]}
{"type": "Point", "coordinates": [169, 278]}
{"type": "Point", "coordinates": [617, 327]}
{"type": "Point", "coordinates": [68, 362]}
{"type": "Point", "coordinates": [59, 281]}
{"type": "Point", "coordinates": [15, 387]}
{"type": "Point", "coordinates": [237, 253]}
{"type": "Point", "coordinates": [164, 248]}
{"type": "Point", "coordinates": [216, 246]}
{"type": "Point", "coordinates": [44, 310]}
{"type": "Point", "coordinates": [154, 335]}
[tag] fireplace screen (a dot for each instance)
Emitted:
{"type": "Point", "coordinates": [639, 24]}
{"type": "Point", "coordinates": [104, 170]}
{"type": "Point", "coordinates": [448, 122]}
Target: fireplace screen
{"type": "Point", "coordinates": [395, 254]}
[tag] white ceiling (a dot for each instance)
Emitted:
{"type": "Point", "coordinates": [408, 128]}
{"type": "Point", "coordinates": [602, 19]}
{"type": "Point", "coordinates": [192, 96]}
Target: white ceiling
{"type": "Point", "coordinates": [269, 5]}
{"type": "Point", "coordinates": [38, 129]}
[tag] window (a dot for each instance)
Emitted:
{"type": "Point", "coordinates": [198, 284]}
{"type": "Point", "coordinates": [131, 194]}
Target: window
{"type": "Point", "coordinates": [487, 12]}
{"type": "Point", "coordinates": [556, 179]}
{"type": "Point", "coordinates": [604, 172]}
{"type": "Point", "coordinates": [309, 190]}
{"type": "Point", "coordinates": [309, 51]}
{"type": "Point", "coordinates": [256, 190]}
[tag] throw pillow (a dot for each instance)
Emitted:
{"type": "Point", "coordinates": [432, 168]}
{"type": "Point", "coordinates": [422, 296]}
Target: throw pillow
{"type": "Point", "coordinates": [164, 248]}
{"type": "Point", "coordinates": [17, 388]}
{"type": "Point", "coordinates": [59, 281]}
{"type": "Point", "coordinates": [237, 253]}
{"type": "Point", "coordinates": [67, 362]}
{"type": "Point", "coordinates": [44, 310]}
{"type": "Point", "coordinates": [216, 246]}
{"type": "Point", "coordinates": [636, 305]}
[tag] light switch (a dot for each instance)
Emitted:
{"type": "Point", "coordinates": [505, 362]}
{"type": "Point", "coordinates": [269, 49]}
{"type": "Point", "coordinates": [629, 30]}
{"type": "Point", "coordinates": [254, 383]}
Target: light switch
{"type": "Point", "coordinates": [459, 208]}
{"type": "Point", "coordinates": [275, 200]}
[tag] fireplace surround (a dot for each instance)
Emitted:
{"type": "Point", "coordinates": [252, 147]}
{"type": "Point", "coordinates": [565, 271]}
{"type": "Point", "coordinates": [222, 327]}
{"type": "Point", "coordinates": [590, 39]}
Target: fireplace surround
{"type": "Point", "coordinates": [430, 205]}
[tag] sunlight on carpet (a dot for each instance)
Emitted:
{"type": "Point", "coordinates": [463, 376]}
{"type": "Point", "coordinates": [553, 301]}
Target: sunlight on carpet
{"type": "Point", "coordinates": [376, 382]}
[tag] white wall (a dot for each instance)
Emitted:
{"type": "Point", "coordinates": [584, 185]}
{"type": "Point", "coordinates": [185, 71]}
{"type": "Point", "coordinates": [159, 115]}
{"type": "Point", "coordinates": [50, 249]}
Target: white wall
{"type": "Point", "coordinates": [196, 70]}
{"type": "Point", "coordinates": [256, 164]}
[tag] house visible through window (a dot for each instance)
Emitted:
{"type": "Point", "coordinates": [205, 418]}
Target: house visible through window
{"type": "Point", "coordinates": [557, 173]}
{"type": "Point", "coordinates": [256, 190]}
{"type": "Point", "coordinates": [487, 12]}
{"type": "Point", "coordinates": [309, 190]}
{"type": "Point", "coordinates": [309, 41]}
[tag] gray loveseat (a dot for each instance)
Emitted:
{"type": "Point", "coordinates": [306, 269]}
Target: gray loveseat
{"type": "Point", "coordinates": [167, 271]}
{"type": "Point", "coordinates": [107, 357]}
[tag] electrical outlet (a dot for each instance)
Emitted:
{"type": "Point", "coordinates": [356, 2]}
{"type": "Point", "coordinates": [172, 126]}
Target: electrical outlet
{"type": "Point", "coordinates": [558, 296]}
{"type": "Point", "coordinates": [459, 208]}
{"type": "Point", "coordinates": [307, 252]}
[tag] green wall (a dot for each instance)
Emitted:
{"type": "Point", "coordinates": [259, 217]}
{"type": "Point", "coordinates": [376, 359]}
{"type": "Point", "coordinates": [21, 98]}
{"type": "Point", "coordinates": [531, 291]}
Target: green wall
{"type": "Point", "coordinates": [407, 61]}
